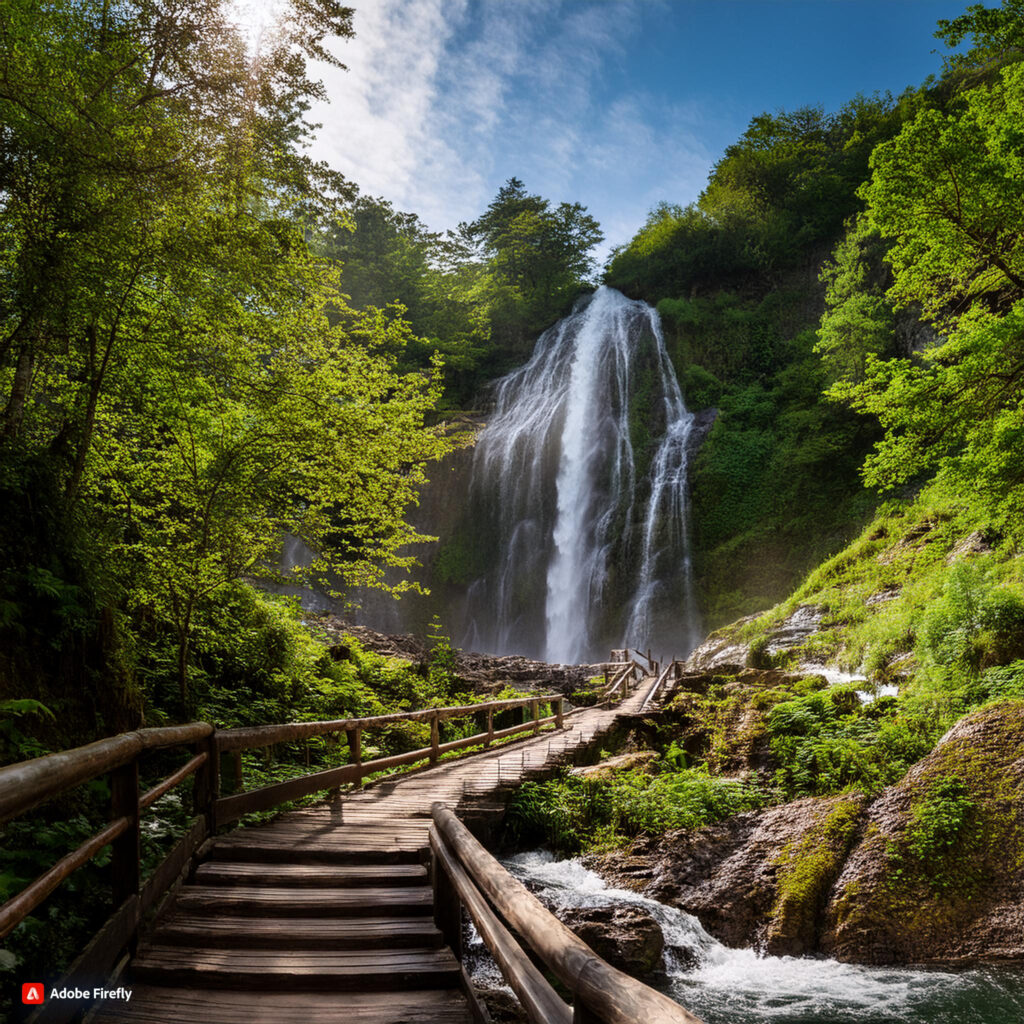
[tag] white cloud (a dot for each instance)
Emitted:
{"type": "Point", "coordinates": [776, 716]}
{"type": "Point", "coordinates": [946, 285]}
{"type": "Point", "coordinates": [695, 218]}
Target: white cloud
{"type": "Point", "coordinates": [445, 99]}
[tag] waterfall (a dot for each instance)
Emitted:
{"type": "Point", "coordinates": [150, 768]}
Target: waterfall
{"type": "Point", "coordinates": [579, 491]}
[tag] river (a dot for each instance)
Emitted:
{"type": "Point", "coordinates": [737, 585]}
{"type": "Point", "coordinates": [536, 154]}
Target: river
{"type": "Point", "coordinates": [739, 986]}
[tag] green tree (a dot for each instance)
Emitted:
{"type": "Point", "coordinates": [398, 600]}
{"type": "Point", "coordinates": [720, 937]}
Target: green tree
{"type": "Point", "coordinates": [167, 362]}
{"type": "Point", "coordinates": [948, 191]}
{"type": "Point", "coordinates": [544, 254]}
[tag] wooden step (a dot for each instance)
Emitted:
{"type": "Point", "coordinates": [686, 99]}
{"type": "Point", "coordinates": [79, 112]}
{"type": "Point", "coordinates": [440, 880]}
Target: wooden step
{"type": "Point", "coordinates": [245, 846]}
{"type": "Point", "coordinates": [309, 875]}
{"type": "Point", "coordinates": [305, 970]}
{"type": "Point", "coordinates": [238, 932]}
{"type": "Point", "coordinates": [281, 901]}
{"type": "Point", "coordinates": [159, 1005]}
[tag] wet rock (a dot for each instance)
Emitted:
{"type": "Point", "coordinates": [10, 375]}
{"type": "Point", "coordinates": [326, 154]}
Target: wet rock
{"type": "Point", "coordinates": [502, 1005]}
{"type": "Point", "coordinates": [629, 938]}
{"type": "Point", "coordinates": [939, 872]}
{"type": "Point", "coordinates": [725, 652]}
{"type": "Point", "coordinates": [760, 878]}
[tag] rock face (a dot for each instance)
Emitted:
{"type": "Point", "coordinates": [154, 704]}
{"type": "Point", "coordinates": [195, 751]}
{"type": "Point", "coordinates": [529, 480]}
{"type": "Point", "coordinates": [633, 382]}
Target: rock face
{"type": "Point", "coordinates": [629, 938]}
{"type": "Point", "coordinates": [642, 759]}
{"type": "Point", "coordinates": [485, 673]}
{"type": "Point", "coordinates": [759, 878]}
{"type": "Point", "coordinates": [931, 871]}
{"type": "Point", "coordinates": [726, 651]}
{"type": "Point", "coordinates": [939, 872]}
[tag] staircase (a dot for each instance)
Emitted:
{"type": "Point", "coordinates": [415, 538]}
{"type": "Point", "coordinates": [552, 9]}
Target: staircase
{"type": "Point", "coordinates": [253, 939]}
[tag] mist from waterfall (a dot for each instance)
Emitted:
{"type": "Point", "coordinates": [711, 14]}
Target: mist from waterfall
{"type": "Point", "coordinates": [580, 485]}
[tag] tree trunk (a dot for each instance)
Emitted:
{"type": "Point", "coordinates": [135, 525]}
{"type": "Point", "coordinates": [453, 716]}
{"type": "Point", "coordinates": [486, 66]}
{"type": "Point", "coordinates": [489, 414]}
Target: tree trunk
{"type": "Point", "coordinates": [15, 411]}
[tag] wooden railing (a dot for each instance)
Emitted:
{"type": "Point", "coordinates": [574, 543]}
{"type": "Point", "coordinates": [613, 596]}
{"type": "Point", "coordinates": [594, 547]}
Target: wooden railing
{"type": "Point", "coordinates": [501, 908]}
{"type": "Point", "coordinates": [670, 672]}
{"type": "Point", "coordinates": [28, 784]}
{"type": "Point", "coordinates": [618, 683]}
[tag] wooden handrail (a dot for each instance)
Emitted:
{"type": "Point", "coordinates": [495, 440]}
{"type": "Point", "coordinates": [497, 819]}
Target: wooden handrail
{"type": "Point", "coordinates": [652, 693]}
{"type": "Point", "coordinates": [601, 993]}
{"type": "Point", "coordinates": [29, 783]}
{"type": "Point", "coordinates": [266, 735]}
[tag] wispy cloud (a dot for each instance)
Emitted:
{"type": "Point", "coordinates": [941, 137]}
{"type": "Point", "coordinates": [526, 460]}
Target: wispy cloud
{"type": "Point", "coordinates": [445, 99]}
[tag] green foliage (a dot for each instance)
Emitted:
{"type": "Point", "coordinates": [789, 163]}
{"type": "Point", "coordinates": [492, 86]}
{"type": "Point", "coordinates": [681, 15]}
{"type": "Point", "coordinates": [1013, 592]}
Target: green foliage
{"type": "Point", "coordinates": [940, 818]}
{"type": "Point", "coordinates": [974, 625]}
{"type": "Point", "coordinates": [571, 814]}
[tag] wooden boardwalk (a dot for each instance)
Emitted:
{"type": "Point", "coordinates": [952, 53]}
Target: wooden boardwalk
{"type": "Point", "coordinates": [326, 913]}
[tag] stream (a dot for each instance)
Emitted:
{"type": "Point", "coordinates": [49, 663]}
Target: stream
{"type": "Point", "coordinates": [739, 986]}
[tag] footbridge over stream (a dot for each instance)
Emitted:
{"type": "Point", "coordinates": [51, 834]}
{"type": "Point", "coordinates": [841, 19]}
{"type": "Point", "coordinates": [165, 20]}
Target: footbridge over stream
{"type": "Point", "coordinates": [351, 910]}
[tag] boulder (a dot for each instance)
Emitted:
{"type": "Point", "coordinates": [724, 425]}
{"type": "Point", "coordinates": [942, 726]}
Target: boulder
{"type": "Point", "coordinates": [939, 872]}
{"type": "Point", "coordinates": [760, 878]}
{"type": "Point", "coordinates": [642, 759]}
{"type": "Point", "coordinates": [629, 938]}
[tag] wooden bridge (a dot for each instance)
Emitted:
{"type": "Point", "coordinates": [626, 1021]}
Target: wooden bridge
{"type": "Point", "coordinates": [349, 910]}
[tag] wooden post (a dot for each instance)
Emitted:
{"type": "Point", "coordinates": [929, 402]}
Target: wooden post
{"type": "Point", "coordinates": [447, 908]}
{"type": "Point", "coordinates": [435, 738]}
{"type": "Point", "coordinates": [559, 723]}
{"type": "Point", "coordinates": [207, 786]}
{"type": "Point", "coordinates": [232, 780]}
{"type": "Point", "coordinates": [124, 861]}
{"type": "Point", "coordinates": [490, 727]}
{"type": "Point", "coordinates": [535, 705]}
{"type": "Point", "coordinates": [355, 750]}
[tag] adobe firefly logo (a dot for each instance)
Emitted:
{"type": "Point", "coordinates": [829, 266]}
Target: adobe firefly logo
{"type": "Point", "coordinates": [32, 993]}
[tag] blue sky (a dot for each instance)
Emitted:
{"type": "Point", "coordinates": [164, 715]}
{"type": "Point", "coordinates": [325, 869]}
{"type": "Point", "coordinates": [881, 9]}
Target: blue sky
{"type": "Point", "coordinates": [616, 104]}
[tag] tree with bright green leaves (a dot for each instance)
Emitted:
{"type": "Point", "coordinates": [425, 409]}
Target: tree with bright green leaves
{"type": "Point", "coordinates": [949, 192]}
{"type": "Point", "coordinates": [177, 365]}
{"type": "Point", "coordinates": [388, 257]}
{"type": "Point", "coordinates": [858, 321]}
{"type": "Point", "coordinates": [538, 257]}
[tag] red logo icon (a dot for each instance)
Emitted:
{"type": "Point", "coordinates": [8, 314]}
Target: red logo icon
{"type": "Point", "coordinates": [32, 992]}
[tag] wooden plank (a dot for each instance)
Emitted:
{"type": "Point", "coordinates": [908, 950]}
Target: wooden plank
{"type": "Point", "coordinates": [190, 929]}
{"type": "Point", "coordinates": [363, 901]}
{"type": "Point", "coordinates": [29, 783]}
{"type": "Point", "coordinates": [308, 970]}
{"type": "Point", "coordinates": [161, 1005]}
{"type": "Point", "coordinates": [538, 998]}
{"type": "Point", "coordinates": [305, 875]}
{"type": "Point", "coordinates": [264, 735]}
{"type": "Point", "coordinates": [615, 996]}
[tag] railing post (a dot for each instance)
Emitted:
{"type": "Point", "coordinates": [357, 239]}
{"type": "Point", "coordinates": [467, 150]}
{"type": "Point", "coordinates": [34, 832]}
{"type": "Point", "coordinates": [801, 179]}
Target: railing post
{"type": "Point", "coordinates": [535, 706]}
{"type": "Point", "coordinates": [447, 907]}
{"type": "Point", "coordinates": [435, 737]}
{"type": "Point", "coordinates": [559, 723]}
{"type": "Point", "coordinates": [490, 727]}
{"type": "Point", "coordinates": [355, 749]}
{"type": "Point", "coordinates": [207, 786]}
{"type": "Point", "coordinates": [124, 861]}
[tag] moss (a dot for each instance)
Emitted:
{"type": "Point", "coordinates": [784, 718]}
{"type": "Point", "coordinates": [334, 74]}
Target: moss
{"type": "Point", "coordinates": [959, 831]}
{"type": "Point", "coordinates": [807, 869]}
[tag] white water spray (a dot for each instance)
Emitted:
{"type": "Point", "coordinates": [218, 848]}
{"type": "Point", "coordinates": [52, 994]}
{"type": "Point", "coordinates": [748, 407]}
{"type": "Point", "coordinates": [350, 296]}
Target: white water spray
{"type": "Point", "coordinates": [584, 465]}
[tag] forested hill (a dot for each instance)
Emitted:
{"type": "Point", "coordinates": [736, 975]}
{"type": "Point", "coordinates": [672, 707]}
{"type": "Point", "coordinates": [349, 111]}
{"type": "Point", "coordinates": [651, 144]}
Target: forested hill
{"type": "Point", "coordinates": [838, 292]}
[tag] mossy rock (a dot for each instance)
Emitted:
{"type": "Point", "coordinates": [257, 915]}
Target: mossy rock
{"type": "Point", "coordinates": [939, 873]}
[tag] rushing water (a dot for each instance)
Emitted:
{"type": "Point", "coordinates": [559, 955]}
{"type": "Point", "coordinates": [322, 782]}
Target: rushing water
{"type": "Point", "coordinates": [736, 986]}
{"type": "Point", "coordinates": [580, 481]}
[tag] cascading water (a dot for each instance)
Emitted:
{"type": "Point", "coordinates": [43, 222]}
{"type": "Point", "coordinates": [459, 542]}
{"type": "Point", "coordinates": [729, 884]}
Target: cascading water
{"type": "Point", "coordinates": [723, 985]}
{"type": "Point", "coordinates": [580, 488]}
